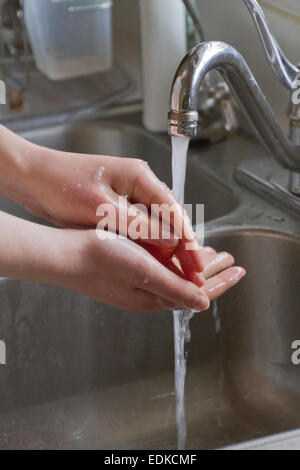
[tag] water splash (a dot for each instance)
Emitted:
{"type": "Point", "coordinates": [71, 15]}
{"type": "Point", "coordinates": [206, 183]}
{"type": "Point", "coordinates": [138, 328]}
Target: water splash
{"type": "Point", "coordinates": [98, 174]}
{"type": "Point", "coordinates": [182, 335]}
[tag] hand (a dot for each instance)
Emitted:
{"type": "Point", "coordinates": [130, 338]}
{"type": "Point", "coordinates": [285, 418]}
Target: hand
{"type": "Point", "coordinates": [125, 275]}
{"type": "Point", "coordinates": [117, 272]}
{"type": "Point", "coordinates": [218, 275]}
{"type": "Point", "coordinates": [67, 189]}
{"type": "Point", "coordinates": [218, 272]}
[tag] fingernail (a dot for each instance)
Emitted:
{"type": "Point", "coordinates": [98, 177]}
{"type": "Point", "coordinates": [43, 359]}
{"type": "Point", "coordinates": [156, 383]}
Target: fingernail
{"type": "Point", "coordinates": [203, 303]}
{"type": "Point", "coordinates": [237, 274]}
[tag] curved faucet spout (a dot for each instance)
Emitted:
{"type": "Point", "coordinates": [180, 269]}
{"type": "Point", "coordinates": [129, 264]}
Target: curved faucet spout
{"type": "Point", "coordinates": [183, 115]}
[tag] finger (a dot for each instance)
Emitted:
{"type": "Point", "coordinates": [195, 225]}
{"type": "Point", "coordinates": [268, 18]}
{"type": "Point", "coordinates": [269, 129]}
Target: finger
{"type": "Point", "coordinates": [186, 258]}
{"type": "Point", "coordinates": [38, 212]}
{"type": "Point", "coordinates": [147, 302]}
{"type": "Point", "coordinates": [208, 250]}
{"type": "Point", "coordinates": [169, 261]}
{"type": "Point", "coordinates": [148, 189]}
{"type": "Point", "coordinates": [172, 262]}
{"type": "Point", "coordinates": [166, 284]}
{"type": "Point", "coordinates": [134, 222]}
{"type": "Point", "coordinates": [217, 285]}
{"type": "Point", "coordinates": [207, 254]}
{"type": "Point", "coordinates": [214, 264]}
{"type": "Point", "coordinates": [196, 278]}
{"type": "Point", "coordinates": [163, 255]}
{"type": "Point", "coordinates": [184, 269]}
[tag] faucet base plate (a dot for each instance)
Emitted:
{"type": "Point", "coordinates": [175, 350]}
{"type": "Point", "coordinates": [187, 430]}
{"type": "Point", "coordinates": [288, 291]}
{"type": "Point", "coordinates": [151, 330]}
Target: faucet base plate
{"type": "Point", "coordinates": [267, 179]}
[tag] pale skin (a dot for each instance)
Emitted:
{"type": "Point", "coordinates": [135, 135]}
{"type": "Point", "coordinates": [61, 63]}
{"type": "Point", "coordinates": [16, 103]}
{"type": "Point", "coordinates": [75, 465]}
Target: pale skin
{"type": "Point", "coordinates": [66, 189]}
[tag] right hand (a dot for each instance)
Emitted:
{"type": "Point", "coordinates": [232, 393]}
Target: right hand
{"type": "Point", "coordinates": [67, 188]}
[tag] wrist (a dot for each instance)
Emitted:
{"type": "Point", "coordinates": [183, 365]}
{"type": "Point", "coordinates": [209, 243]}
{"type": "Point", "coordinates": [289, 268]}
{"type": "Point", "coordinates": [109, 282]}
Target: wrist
{"type": "Point", "coordinates": [66, 257]}
{"type": "Point", "coordinates": [37, 253]}
{"type": "Point", "coordinates": [15, 166]}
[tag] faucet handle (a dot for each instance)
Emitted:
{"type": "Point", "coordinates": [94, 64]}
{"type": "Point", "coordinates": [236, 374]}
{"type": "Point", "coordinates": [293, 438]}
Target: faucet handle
{"type": "Point", "coordinates": [229, 117]}
{"type": "Point", "coordinates": [228, 113]}
{"type": "Point", "coordinates": [216, 114]}
{"type": "Point", "coordinates": [285, 71]}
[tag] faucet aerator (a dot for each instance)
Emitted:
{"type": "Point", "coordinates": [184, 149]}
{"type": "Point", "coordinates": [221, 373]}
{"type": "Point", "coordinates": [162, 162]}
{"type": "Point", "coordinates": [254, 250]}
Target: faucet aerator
{"type": "Point", "coordinates": [183, 123]}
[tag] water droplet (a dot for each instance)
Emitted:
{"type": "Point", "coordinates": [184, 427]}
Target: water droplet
{"type": "Point", "coordinates": [98, 174]}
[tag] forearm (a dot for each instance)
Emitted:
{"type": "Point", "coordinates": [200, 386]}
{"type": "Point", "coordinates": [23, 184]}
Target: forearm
{"type": "Point", "coordinates": [33, 252]}
{"type": "Point", "coordinates": [16, 155]}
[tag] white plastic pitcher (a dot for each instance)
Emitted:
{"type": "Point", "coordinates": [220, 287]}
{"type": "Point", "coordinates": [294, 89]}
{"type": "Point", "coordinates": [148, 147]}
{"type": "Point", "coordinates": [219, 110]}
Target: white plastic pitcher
{"type": "Point", "coordinates": [70, 38]}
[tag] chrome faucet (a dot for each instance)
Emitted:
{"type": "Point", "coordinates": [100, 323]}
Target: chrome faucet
{"type": "Point", "coordinates": [184, 116]}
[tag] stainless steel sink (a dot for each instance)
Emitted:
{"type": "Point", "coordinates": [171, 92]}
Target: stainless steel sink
{"type": "Point", "coordinates": [80, 374]}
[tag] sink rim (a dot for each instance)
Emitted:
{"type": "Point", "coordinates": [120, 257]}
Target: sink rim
{"type": "Point", "coordinates": [219, 232]}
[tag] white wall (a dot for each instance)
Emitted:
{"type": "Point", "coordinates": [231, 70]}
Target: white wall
{"type": "Point", "coordinates": [230, 21]}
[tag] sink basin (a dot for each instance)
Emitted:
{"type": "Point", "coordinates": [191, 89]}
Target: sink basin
{"type": "Point", "coordinates": [82, 375]}
{"type": "Point", "coordinates": [130, 141]}
{"type": "Point", "coordinates": [259, 387]}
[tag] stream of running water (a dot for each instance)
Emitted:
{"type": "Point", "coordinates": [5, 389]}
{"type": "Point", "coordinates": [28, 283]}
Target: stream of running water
{"type": "Point", "coordinates": [181, 318]}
